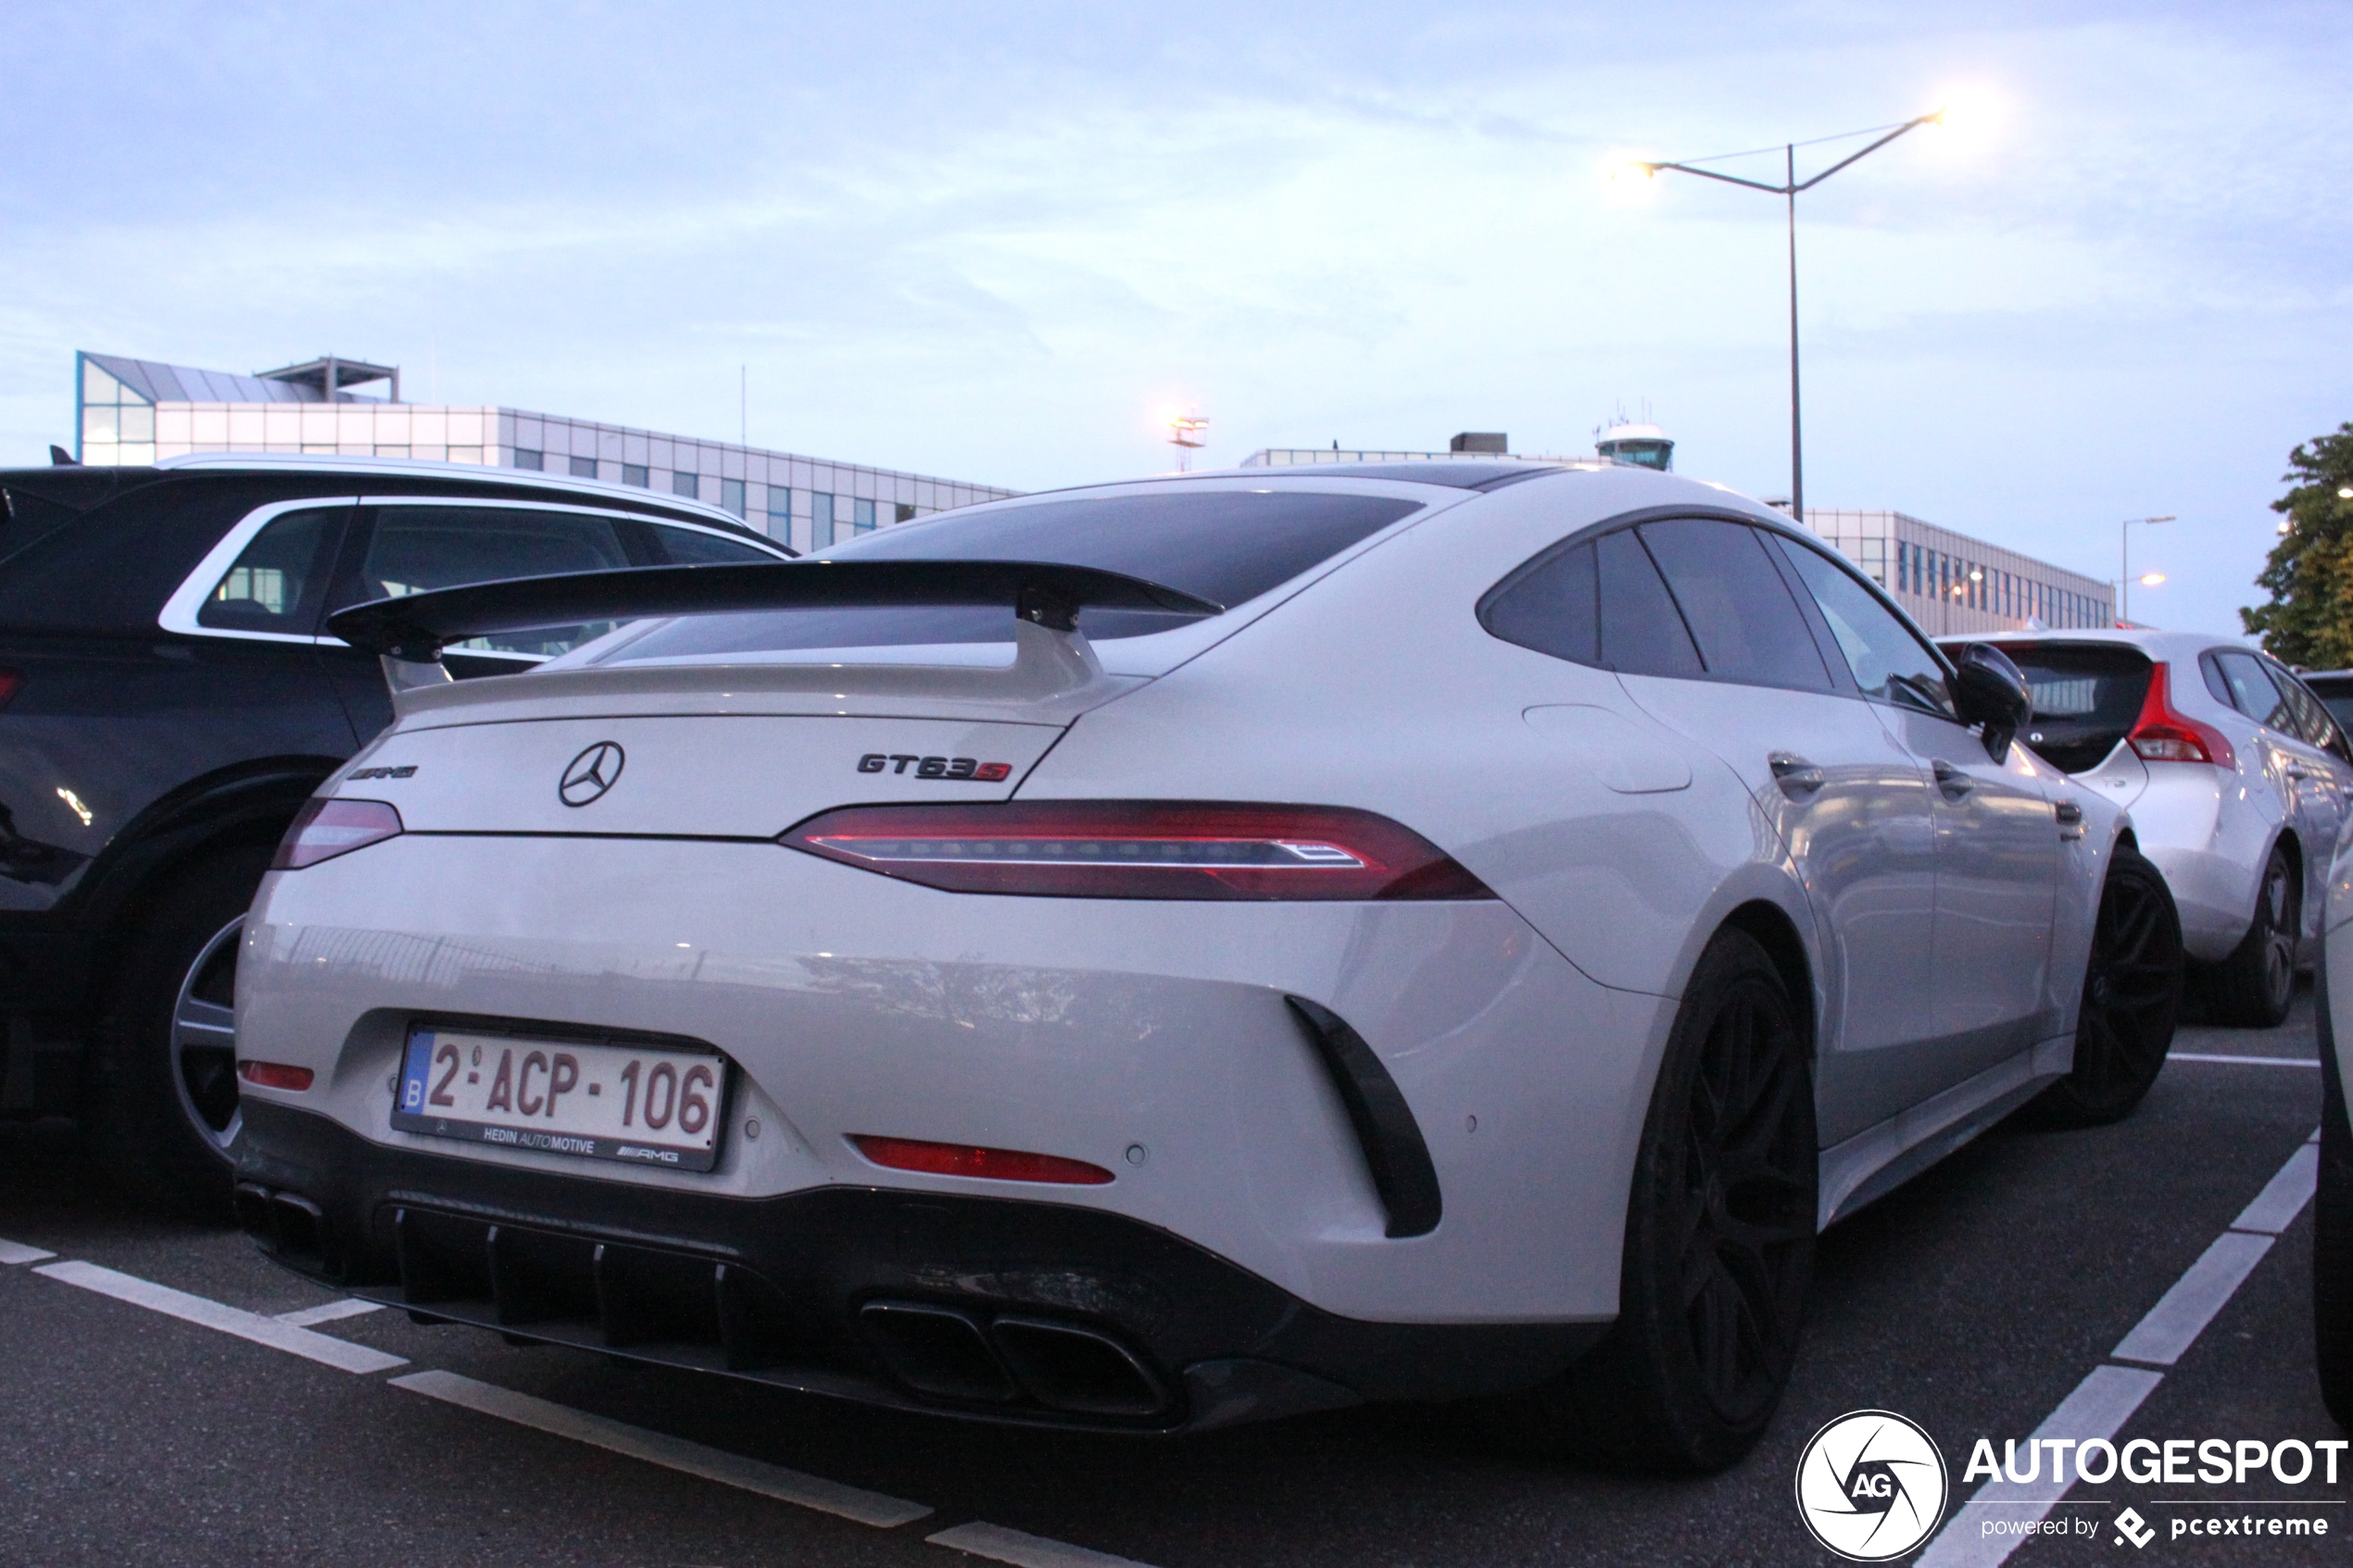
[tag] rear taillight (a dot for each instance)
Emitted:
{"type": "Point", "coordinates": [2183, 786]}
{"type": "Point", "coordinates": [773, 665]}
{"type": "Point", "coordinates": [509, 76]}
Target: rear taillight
{"type": "Point", "coordinates": [324, 829]}
{"type": "Point", "coordinates": [11, 682]}
{"type": "Point", "coordinates": [1140, 849]}
{"type": "Point", "coordinates": [2161, 735]}
{"type": "Point", "coordinates": [274, 1075]}
{"type": "Point", "coordinates": [991, 1164]}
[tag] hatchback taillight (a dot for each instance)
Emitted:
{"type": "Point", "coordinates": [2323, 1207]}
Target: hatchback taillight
{"type": "Point", "coordinates": [1140, 849]}
{"type": "Point", "coordinates": [2162, 734]}
{"type": "Point", "coordinates": [324, 829]}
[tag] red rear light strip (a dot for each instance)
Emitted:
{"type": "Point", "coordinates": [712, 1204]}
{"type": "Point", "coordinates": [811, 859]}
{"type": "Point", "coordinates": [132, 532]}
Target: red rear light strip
{"type": "Point", "coordinates": [11, 682]}
{"type": "Point", "coordinates": [276, 1075]}
{"type": "Point", "coordinates": [989, 1164]}
{"type": "Point", "coordinates": [2162, 734]}
{"type": "Point", "coordinates": [325, 828]}
{"type": "Point", "coordinates": [1142, 849]}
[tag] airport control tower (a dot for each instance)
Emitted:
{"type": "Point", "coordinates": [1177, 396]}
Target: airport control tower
{"type": "Point", "coordinates": [1643, 445]}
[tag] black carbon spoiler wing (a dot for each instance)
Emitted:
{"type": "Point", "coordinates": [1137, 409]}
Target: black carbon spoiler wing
{"type": "Point", "coordinates": [414, 628]}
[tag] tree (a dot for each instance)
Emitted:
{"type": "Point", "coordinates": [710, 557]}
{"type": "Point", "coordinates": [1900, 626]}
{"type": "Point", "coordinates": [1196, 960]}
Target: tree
{"type": "Point", "coordinates": [2309, 575]}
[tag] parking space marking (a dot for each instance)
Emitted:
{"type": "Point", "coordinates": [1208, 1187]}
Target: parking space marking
{"type": "Point", "coordinates": [305, 1317]}
{"type": "Point", "coordinates": [2245, 1061]}
{"type": "Point", "coordinates": [673, 1453]}
{"type": "Point", "coordinates": [2112, 1393]}
{"type": "Point", "coordinates": [18, 1252]}
{"type": "Point", "coordinates": [2276, 1207]}
{"type": "Point", "coordinates": [341, 1354]}
{"type": "Point", "coordinates": [2099, 1408]}
{"type": "Point", "coordinates": [1000, 1544]}
{"type": "Point", "coordinates": [2182, 1314]}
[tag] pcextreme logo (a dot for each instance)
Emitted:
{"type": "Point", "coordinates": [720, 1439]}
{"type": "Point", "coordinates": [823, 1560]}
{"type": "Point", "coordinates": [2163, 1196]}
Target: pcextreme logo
{"type": "Point", "coordinates": [1871, 1485]}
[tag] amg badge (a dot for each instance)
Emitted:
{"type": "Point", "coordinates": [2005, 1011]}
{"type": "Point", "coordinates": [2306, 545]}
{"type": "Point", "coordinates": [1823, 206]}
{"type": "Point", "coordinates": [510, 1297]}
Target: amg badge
{"type": "Point", "coordinates": [935, 767]}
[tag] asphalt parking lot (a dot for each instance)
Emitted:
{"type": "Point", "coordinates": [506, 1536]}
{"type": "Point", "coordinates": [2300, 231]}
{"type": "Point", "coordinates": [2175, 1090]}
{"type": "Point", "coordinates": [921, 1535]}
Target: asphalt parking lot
{"type": "Point", "coordinates": [150, 1427]}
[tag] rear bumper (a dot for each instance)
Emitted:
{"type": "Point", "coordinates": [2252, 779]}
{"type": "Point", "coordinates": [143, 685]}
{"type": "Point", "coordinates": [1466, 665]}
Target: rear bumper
{"type": "Point", "coordinates": [988, 1309]}
{"type": "Point", "coordinates": [2210, 844]}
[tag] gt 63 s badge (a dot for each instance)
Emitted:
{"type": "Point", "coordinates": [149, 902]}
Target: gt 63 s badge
{"type": "Point", "coordinates": [1871, 1485]}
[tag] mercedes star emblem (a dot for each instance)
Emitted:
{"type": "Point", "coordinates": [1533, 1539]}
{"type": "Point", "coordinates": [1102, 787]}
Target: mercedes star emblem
{"type": "Point", "coordinates": [589, 775]}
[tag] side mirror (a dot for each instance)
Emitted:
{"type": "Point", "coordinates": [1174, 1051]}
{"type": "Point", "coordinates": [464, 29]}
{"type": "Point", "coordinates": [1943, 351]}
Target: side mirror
{"type": "Point", "coordinates": [1988, 690]}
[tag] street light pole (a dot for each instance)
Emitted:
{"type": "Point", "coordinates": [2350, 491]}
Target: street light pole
{"type": "Point", "coordinates": [2124, 560]}
{"type": "Point", "coordinates": [1788, 191]}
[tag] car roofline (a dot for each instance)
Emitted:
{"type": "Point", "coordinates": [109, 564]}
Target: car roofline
{"type": "Point", "coordinates": [426, 467]}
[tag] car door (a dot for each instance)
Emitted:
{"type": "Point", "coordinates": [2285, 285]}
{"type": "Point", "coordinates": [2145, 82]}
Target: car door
{"type": "Point", "coordinates": [2300, 736]}
{"type": "Point", "coordinates": [1739, 670]}
{"type": "Point", "coordinates": [407, 544]}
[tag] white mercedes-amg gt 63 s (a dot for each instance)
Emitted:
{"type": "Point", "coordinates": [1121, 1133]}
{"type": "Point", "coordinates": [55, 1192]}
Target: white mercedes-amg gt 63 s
{"type": "Point", "coordinates": [1172, 953]}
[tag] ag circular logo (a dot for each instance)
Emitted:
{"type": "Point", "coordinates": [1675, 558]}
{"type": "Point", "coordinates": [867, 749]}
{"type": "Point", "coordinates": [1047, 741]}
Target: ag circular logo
{"type": "Point", "coordinates": [1871, 1485]}
{"type": "Point", "coordinates": [589, 775]}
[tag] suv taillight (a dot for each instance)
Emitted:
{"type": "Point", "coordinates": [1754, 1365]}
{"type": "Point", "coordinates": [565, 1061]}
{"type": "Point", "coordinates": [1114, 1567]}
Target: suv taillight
{"type": "Point", "coordinates": [1140, 849]}
{"type": "Point", "coordinates": [2161, 735]}
{"type": "Point", "coordinates": [324, 829]}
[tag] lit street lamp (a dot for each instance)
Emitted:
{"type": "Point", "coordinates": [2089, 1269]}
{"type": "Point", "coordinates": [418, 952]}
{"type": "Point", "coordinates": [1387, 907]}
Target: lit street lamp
{"type": "Point", "coordinates": [1788, 189]}
{"type": "Point", "coordinates": [2125, 561]}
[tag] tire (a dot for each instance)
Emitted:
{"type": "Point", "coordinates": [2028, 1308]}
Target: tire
{"type": "Point", "coordinates": [2252, 989]}
{"type": "Point", "coordinates": [163, 1110]}
{"type": "Point", "coordinates": [2132, 999]}
{"type": "Point", "coordinates": [1719, 1236]}
{"type": "Point", "coordinates": [2332, 1231]}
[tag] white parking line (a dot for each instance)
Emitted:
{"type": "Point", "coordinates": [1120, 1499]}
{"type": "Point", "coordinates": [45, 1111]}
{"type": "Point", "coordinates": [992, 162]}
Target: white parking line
{"type": "Point", "coordinates": [18, 1252]}
{"type": "Point", "coordinates": [339, 1353]}
{"type": "Point", "coordinates": [2111, 1394]}
{"type": "Point", "coordinates": [2276, 1207]}
{"type": "Point", "coordinates": [2183, 1313]}
{"type": "Point", "coordinates": [673, 1453]}
{"type": "Point", "coordinates": [304, 1317]}
{"type": "Point", "coordinates": [1000, 1544]}
{"type": "Point", "coordinates": [2246, 1060]}
{"type": "Point", "coordinates": [2099, 1408]}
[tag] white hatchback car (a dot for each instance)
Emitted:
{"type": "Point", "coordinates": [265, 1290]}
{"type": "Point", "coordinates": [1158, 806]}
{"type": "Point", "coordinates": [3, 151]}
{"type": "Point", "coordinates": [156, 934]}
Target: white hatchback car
{"type": "Point", "coordinates": [1174, 953]}
{"type": "Point", "coordinates": [2237, 778]}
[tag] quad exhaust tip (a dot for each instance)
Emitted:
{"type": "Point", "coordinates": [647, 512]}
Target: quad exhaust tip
{"type": "Point", "coordinates": [1063, 1366]}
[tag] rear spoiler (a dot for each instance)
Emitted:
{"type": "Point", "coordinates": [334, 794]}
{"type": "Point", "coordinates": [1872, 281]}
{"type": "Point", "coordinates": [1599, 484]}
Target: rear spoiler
{"type": "Point", "coordinates": [410, 633]}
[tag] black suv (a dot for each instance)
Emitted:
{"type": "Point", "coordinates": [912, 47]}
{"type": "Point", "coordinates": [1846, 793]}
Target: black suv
{"type": "Point", "coordinates": [167, 700]}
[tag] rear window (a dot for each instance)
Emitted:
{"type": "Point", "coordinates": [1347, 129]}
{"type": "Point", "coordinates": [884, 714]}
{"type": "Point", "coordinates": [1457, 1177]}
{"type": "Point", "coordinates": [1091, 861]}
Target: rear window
{"type": "Point", "coordinates": [1224, 545]}
{"type": "Point", "coordinates": [2086, 700]}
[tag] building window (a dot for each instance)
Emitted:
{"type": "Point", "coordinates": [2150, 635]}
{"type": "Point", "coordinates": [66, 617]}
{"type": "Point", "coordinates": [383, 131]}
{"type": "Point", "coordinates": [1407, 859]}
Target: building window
{"type": "Point", "coordinates": [780, 513]}
{"type": "Point", "coordinates": [861, 516]}
{"type": "Point", "coordinates": [525, 458]}
{"type": "Point", "coordinates": [635, 473]}
{"type": "Point", "coordinates": [821, 520]}
{"type": "Point", "coordinates": [731, 496]}
{"type": "Point", "coordinates": [583, 467]}
{"type": "Point", "coordinates": [685, 484]}
{"type": "Point", "coordinates": [903, 511]}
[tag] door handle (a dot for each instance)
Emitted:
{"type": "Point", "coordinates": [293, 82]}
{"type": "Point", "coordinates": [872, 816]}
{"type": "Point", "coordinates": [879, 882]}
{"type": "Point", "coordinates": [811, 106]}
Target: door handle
{"type": "Point", "coordinates": [1798, 778]}
{"type": "Point", "coordinates": [2070, 819]}
{"type": "Point", "coordinates": [1951, 781]}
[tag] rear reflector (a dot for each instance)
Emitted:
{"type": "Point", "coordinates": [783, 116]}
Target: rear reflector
{"type": "Point", "coordinates": [1140, 849]}
{"type": "Point", "coordinates": [2161, 735]}
{"type": "Point", "coordinates": [324, 829]}
{"type": "Point", "coordinates": [963, 1159]}
{"type": "Point", "coordinates": [274, 1075]}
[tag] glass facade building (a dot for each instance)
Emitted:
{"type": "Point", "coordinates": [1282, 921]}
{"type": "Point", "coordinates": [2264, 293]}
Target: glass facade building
{"type": "Point", "coordinates": [137, 410]}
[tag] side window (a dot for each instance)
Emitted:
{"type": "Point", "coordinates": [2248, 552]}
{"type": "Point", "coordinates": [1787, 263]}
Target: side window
{"type": "Point", "coordinates": [2312, 722]}
{"type": "Point", "coordinates": [1738, 607]}
{"type": "Point", "coordinates": [278, 581]}
{"type": "Point", "coordinates": [412, 550]}
{"type": "Point", "coordinates": [1641, 632]}
{"type": "Point", "coordinates": [688, 547]}
{"type": "Point", "coordinates": [2252, 692]}
{"type": "Point", "coordinates": [1551, 606]}
{"type": "Point", "coordinates": [1888, 661]}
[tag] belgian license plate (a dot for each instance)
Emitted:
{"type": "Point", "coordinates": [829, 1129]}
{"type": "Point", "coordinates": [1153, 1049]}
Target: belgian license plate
{"type": "Point", "coordinates": [636, 1104]}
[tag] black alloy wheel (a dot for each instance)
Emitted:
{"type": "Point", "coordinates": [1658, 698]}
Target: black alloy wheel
{"type": "Point", "coordinates": [1720, 1235]}
{"type": "Point", "coordinates": [2253, 987]}
{"type": "Point", "coordinates": [163, 1105]}
{"type": "Point", "coordinates": [2132, 999]}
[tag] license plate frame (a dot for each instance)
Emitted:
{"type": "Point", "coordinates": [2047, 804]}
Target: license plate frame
{"type": "Point", "coordinates": [438, 1098]}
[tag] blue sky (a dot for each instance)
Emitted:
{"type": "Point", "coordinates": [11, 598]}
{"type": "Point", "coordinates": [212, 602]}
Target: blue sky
{"type": "Point", "coordinates": [1005, 242]}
